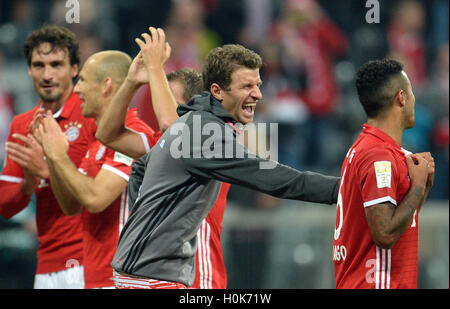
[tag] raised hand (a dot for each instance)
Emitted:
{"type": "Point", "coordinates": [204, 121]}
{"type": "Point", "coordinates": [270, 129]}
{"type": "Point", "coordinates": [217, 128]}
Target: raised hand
{"type": "Point", "coordinates": [137, 73]}
{"type": "Point", "coordinates": [431, 168]}
{"type": "Point", "coordinates": [52, 138]}
{"type": "Point", "coordinates": [154, 49]}
{"type": "Point", "coordinates": [418, 170]}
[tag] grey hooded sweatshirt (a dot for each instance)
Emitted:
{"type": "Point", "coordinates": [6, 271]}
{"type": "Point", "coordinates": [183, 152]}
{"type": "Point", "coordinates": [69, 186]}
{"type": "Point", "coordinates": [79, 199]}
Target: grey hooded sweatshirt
{"type": "Point", "coordinates": [181, 182]}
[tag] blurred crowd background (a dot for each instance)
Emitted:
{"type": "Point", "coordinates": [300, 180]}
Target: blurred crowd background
{"type": "Point", "coordinates": [311, 51]}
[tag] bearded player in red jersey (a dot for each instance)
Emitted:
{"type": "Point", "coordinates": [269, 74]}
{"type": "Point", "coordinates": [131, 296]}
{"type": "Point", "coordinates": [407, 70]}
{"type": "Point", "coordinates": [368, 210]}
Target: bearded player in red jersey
{"type": "Point", "coordinates": [382, 188]}
{"type": "Point", "coordinates": [52, 54]}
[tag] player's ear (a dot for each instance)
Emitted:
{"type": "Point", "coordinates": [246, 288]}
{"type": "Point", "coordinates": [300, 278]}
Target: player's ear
{"type": "Point", "coordinates": [400, 97]}
{"type": "Point", "coordinates": [216, 91]}
{"type": "Point", "coordinates": [107, 86]}
{"type": "Point", "coordinates": [74, 71]}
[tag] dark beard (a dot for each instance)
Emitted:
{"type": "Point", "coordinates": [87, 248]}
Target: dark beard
{"type": "Point", "coordinates": [50, 98]}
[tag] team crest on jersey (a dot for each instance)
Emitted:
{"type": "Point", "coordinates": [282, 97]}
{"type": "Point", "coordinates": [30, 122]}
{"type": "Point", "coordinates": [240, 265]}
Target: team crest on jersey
{"type": "Point", "coordinates": [100, 152]}
{"type": "Point", "coordinates": [73, 131]}
{"type": "Point", "coordinates": [383, 174]}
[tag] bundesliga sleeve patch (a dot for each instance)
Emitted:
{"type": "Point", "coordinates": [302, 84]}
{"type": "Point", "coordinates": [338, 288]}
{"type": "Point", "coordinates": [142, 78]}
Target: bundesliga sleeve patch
{"type": "Point", "coordinates": [121, 158]}
{"type": "Point", "coordinates": [383, 174]}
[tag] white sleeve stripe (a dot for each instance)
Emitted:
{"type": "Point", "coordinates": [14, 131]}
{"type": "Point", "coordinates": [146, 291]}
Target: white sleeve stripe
{"type": "Point", "coordinates": [406, 152]}
{"type": "Point", "coordinates": [11, 179]}
{"type": "Point", "coordinates": [380, 200]}
{"type": "Point", "coordinates": [145, 140]}
{"type": "Point", "coordinates": [116, 171]}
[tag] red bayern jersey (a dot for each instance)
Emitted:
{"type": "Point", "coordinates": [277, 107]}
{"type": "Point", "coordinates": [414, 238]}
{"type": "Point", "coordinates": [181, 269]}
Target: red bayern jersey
{"type": "Point", "coordinates": [210, 272]}
{"type": "Point", "coordinates": [101, 230]}
{"type": "Point", "coordinates": [60, 236]}
{"type": "Point", "coordinates": [374, 171]}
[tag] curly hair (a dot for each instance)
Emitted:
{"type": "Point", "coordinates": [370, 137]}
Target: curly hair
{"type": "Point", "coordinates": [377, 82]}
{"type": "Point", "coordinates": [221, 62]}
{"type": "Point", "coordinates": [191, 80]}
{"type": "Point", "coordinates": [58, 37]}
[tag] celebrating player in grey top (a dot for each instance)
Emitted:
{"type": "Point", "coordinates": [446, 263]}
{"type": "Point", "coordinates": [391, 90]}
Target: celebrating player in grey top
{"type": "Point", "coordinates": [185, 169]}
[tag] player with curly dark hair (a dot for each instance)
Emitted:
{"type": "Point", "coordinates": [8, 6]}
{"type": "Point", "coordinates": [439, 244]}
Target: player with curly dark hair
{"type": "Point", "coordinates": [53, 57]}
{"type": "Point", "coordinates": [375, 83]}
{"type": "Point", "coordinates": [382, 187]}
{"type": "Point", "coordinates": [58, 38]}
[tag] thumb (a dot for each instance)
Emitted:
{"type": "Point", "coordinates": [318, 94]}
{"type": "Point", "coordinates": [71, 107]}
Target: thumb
{"type": "Point", "coordinates": [168, 49]}
{"type": "Point", "coordinates": [409, 161]}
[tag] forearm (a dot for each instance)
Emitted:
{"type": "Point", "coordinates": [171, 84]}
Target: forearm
{"type": "Point", "coordinates": [12, 199]}
{"type": "Point", "coordinates": [66, 199]}
{"type": "Point", "coordinates": [112, 123]}
{"type": "Point", "coordinates": [280, 181]}
{"type": "Point", "coordinates": [388, 222]}
{"type": "Point", "coordinates": [74, 186]}
{"type": "Point", "coordinates": [29, 184]}
{"type": "Point", "coordinates": [267, 176]}
{"type": "Point", "coordinates": [425, 195]}
{"type": "Point", "coordinates": [164, 103]}
{"type": "Point", "coordinates": [404, 212]}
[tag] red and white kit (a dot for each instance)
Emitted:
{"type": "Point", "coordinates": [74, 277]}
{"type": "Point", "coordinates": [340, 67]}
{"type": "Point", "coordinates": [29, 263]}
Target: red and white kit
{"type": "Point", "coordinates": [374, 172]}
{"type": "Point", "coordinates": [60, 236]}
{"type": "Point", "coordinates": [210, 272]}
{"type": "Point", "coordinates": [101, 230]}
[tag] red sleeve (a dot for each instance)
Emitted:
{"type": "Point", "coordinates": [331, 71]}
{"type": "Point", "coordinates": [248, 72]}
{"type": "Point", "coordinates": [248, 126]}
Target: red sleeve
{"type": "Point", "coordinates": [12, 169]}
{"type": "Point", "coordinates": [118, 163]}
{"type": "Point", "coordinates": [149, 136]}
{"type": "Point", "coordinates": [378, 175]}
{"type": "Point", "coordinates": [12, 200]}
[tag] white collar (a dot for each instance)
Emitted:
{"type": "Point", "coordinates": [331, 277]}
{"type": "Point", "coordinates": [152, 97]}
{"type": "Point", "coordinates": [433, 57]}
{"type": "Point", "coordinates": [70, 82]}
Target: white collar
{"type": "Point", "coordinates": [58, 113]}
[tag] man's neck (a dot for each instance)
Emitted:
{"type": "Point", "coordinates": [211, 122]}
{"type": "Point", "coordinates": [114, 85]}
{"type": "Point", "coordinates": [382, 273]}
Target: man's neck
{"type": "Point", "coordinates": [101, 112]}
{"type": "Point", "coordinates": [392, 128]}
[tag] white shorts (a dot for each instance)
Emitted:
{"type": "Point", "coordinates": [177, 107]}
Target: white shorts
{"type": "Point", "coordinates": [71, 278]}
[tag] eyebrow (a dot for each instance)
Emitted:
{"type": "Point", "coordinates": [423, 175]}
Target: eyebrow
{"type": "Point", "coordinates": [251, 84]}
{"type": "Point", "coordinates": [40, 62]}
{"type": "Point", "coordinates": [36, 62]}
